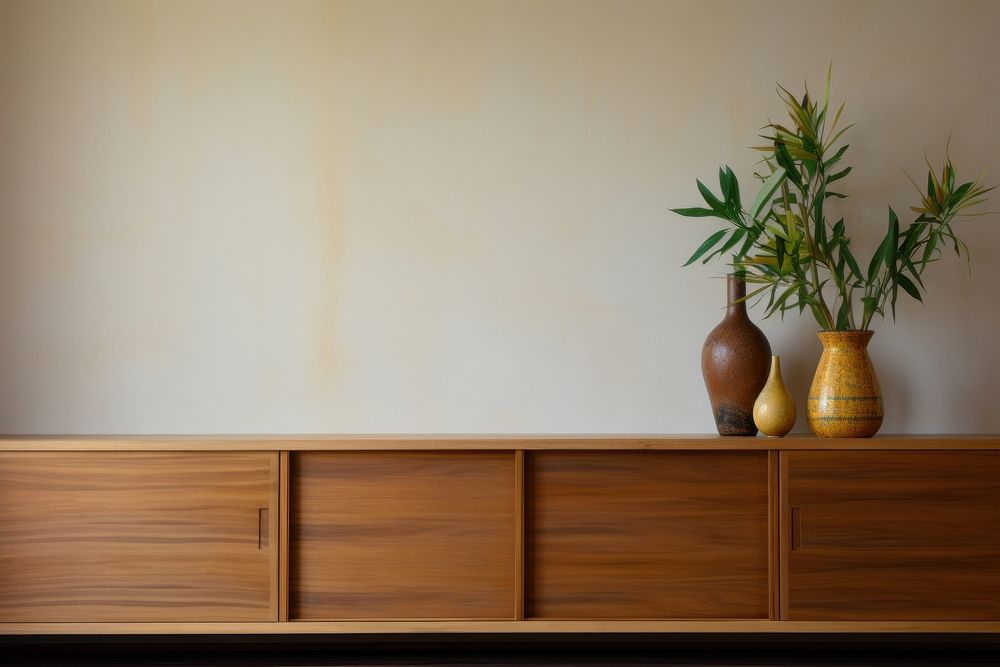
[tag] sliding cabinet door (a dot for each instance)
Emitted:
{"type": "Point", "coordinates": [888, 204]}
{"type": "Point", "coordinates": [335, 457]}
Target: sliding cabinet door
{"type": "Point", "coordinates": [130, 536]}
{"type": "Point", "coordinates": [633, 534]}
{"type": "Point", "coordinates": [402, 535]}
{"type": "Point", "coordinates": [880, 535]}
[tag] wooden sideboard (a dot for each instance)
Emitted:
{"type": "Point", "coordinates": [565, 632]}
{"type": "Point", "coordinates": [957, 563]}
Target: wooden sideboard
{"type": "Point", "coordinates": [692, 534]}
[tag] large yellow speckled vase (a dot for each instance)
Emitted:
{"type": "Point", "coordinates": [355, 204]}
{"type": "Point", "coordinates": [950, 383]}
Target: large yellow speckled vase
{"type": "Point", "coordinates": [845, 400]}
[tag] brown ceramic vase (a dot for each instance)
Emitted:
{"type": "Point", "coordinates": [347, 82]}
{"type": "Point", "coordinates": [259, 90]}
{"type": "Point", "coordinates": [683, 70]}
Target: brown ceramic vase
{"type": "Point", "coordinates": [735, 361]}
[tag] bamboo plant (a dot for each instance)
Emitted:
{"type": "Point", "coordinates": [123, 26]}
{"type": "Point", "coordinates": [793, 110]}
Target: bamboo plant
{"type": "Point", "coordinates": [795, 257]}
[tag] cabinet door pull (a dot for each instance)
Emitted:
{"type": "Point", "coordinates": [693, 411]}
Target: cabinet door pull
{"type": "Point", "coordinates": [263, 525]}
{"type": "Point", "coordinates": [796, 529]}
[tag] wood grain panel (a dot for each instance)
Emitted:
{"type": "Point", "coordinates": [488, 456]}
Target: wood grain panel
{"type": "Point", "coordinates": [893, 535]}
{"type": "Point", "coordinates": [114, 536]}
{"type": "Point", "coordinates": [647, 535]}
{"type": "Point", "coordinates": [404, 535]}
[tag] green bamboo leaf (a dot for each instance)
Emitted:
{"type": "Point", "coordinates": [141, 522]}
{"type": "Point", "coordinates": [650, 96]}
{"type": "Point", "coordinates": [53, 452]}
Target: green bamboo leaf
{"type": "Point", "coordinates": [891, 255]}
{"type": "Point", "coordinates": [698, 213]}
{"type": "Point", "coordinates": [726, 185]}
{"type": "Point", "coordinates": [798, 113]}
{"type": "Point", "coordinates": [911, 267]}
{"type": "Point", "coordinates": [776, 231]}
{"type": "Point", "coordinates": [956, 196]}
{"type": "Point", "coordinates": [974, 198]}
{"type": "Point", "coordinates": [779, 246]}
{"type": "Point", "coordinates": [913, 235]}
{"type": "Point", "coordinates": [892, 248]}
{"type": "Point", "coordinates": [836, 116]}
{"type": "Point", "coordinates": [819, 224]}
{"type": "Point", "coordinates": [910, 288]}
{"type": "Point", "coordinates": [819, 315]}
{"type": "Point", "coordinates": [928, 206]}
{"type": "Point", "coordinates": [810, 166]}
{"type": "Point", "coordinates": [803, 298]}
{"type": "Point", "coordinates": [839, 175]}
{"type": "Point", "coordinates": [709, 197]}
{"type": "Point", "coordinates": [782, 129]}
{"type": "Point", "coordinates": [839, 135]}
{"type": "Point", "coordinates": [933, 186]}
{"type": "Point", "coordinates": [852, 263]}
{"type": "Point", "coordinates": [770, 297]}
{"type": "Point", "coordinates": [735, 189]}
{"type": "Point", "coordinates": [785, 162]}
{"type": "Point", "coordinates": [767, 190]}
{"type": "Point", "coordinates": [876, 261]}
{"type": "Point", "coordinates": [970, 204]}
{"type": "Point", "coordinates": [751, 238]}
{"type": "Point", "coordinates": [757, 291]}
{"type": "Point", "coordinates": [706, 246]}
{"type": "Point", "coordinates": [733, 240]}
{"type": "Point", "coordinates": [838, 231]}
{"type": "Point", "coordinates": [929, 249]}
{"type": "Point", "coordinates": [809, 146]}
{"type": "Point", "coordinates": [792, 229]}
{"type": "Point", "coordinates": [780, 301]}
{"type": "Point", "coordinates": [763, 263]}
{"type": "Point", "coordinates": [870, 307]}
{"type": "Point", "coordinates": [818, 123]}
{"type": "Point", "coordinates": [826, 93]}
{"type": "Point", "coordinates": [836, 157]}
{"type": "Point", "coordinates": [843, 315]}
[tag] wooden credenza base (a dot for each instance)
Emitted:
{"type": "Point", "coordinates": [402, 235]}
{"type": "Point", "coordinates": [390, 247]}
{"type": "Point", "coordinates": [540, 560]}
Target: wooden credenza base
{"type": "Point", "coordinates": [360, 535]}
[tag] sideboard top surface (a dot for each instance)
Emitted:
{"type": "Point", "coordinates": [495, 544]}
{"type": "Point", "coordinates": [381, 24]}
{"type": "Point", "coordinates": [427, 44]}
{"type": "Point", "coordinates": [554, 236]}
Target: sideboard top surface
{"type": "Point", "coordinates": [703, 442]}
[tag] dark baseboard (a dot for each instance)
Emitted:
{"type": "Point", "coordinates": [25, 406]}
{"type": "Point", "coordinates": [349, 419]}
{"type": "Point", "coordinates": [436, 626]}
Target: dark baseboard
{"type": "Point", "coordinates": [488, 650]}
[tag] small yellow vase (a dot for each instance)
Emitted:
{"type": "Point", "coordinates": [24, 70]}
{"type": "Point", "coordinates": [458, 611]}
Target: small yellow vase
{"type": "Point", "coordinates": [845, 400]}
{"type": "Point", "coordinates": [774, 409]}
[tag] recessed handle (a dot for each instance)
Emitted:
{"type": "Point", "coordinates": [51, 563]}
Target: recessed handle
{"type": "Point", "coordinates": [796, 528]}
{"type": "Point", "coordinates": [263, 527]}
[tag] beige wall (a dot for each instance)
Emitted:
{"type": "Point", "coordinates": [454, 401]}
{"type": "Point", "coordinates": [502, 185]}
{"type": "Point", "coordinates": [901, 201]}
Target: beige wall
{"type": "Point", "coordinates": [430, 216]}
